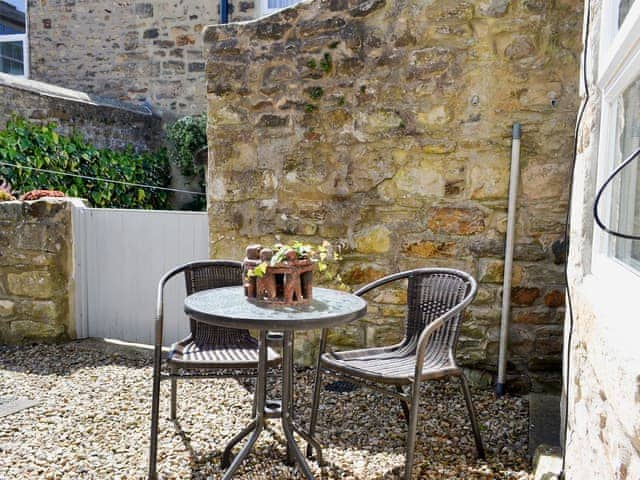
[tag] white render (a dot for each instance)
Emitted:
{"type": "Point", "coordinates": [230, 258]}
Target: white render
{"type": "Point", "coordinates": [604, 370]}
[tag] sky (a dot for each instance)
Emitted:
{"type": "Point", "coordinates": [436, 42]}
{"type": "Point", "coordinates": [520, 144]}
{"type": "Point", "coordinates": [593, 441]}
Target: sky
{"type": "Point", "coordinates": [19, 4]}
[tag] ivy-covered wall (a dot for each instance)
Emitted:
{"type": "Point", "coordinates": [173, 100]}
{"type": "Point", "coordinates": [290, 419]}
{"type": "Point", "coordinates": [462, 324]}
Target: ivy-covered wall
{"type": "Point", "coordinates": [385, 126]}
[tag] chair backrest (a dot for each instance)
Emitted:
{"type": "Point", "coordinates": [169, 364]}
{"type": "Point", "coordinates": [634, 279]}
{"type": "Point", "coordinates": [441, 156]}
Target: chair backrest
{"type": "Point", "coordinates": [213, 274]}
{"type": "Point", "coordinates": [430, 294]}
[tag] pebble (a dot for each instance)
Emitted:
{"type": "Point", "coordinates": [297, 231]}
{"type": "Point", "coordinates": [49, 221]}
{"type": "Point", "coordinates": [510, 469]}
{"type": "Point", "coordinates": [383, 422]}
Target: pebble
{"type": "Point", "coordinates": [93, 421]}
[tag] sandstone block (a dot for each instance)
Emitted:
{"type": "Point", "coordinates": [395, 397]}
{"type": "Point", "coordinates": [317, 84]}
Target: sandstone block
{"type": "Point", "coordinates": [373, 240]}
{"type": "Point", "coordinates": [28, 330]}
{"type": "Point", "coordinates": [7, 307]}
{"type": "Point", "coordinates": [524, 296]}
{"type": "Point", "coordinates": [360, 274]}
{"type": "Point", "coordinates": [31, 284]}
{"type": "Point", "coordinates": [456, 220]}
{"type": "Point", "coordinates": [39, 311]}
{"type": "Point", "coordinates": [429, 249]}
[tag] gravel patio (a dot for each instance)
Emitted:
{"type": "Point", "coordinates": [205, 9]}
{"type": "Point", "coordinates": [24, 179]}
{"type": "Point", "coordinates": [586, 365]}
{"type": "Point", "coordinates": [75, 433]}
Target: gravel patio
{"type": "Point", "coordinates": [92, 421]}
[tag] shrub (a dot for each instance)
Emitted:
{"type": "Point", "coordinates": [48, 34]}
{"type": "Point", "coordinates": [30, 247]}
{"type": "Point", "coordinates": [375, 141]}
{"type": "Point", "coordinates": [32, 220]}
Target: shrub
{"type": "Point", "coordinates": [188, 137]}
{"type": "Point", "coordinates": [40, 146]}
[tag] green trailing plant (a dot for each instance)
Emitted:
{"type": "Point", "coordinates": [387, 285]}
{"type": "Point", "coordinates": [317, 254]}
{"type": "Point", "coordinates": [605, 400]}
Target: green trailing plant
{"type": "Point", "coordinates": [187, 139]}
{"type": "Point", "coordinates": [326, 63]}
{"type": "Point", "coordinates": [316, 93]}
{"type": "Point", "coordinates": [40, 146]}
{"type": "Point", "coordinates": [312, 64]}
{"type": "Point", "coordinates": [310, 108]}
{"type": "Point", "coordinates": [319, 254]}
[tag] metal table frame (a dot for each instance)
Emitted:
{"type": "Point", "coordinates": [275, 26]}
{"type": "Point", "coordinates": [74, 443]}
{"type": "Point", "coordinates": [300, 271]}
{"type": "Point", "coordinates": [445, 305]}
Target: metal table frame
{"type": "Point", "coordinates": [229, 308]}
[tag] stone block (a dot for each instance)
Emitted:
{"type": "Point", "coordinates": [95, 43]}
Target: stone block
{"type": "Point", "coordinates": [373, 240]}
{"type": "Point", "coordinates": [430, 249]}
{"type": "Point", "coordinates": [456, 220]}
{"type": "Point", "coordinates": [524, 296]}
{"type": "Point", "coordinates": [35, 331]}
{"type": "Point", "coordinates": [360, 274]}
{"type": "Point", "coordinates": [36, 284]}
{"type": "Point", "coordinates": [554, 299]}
{"type": "Point", "coordinates": [39, 311]}
{"type": "Point", "coordinates": [7, 308]}
{"type": "Point", "coordinates": [144, 10]}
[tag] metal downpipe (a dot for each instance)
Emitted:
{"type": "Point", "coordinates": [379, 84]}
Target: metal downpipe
{"type": "Point", "coordinates": [508, 258]}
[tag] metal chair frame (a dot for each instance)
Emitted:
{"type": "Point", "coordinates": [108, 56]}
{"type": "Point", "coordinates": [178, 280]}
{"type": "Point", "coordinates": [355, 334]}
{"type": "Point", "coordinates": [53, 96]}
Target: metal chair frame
{"type": "Point", "coordinates": [428, 337]}
{"type": "Point", "coordinates": [175, 372]}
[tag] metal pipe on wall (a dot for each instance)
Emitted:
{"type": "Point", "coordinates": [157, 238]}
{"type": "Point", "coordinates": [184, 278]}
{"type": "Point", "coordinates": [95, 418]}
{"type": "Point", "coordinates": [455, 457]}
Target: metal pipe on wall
{"type": "Point", "coordinates": [508, 258]}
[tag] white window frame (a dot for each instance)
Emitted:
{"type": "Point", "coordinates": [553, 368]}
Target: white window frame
{"type": "Point", "coordinates": [21, 37]}
{"type": "Point", "coordinates": [614, 281]}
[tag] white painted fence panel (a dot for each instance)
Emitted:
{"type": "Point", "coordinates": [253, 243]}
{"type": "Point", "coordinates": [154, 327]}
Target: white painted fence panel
{"type": "Point", "coordinates": [120, 257]}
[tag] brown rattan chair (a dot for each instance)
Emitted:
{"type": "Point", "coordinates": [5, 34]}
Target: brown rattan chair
{"type": "Point", "coordinates": [436, 299]}
{"type": "Point", "coordinates": [208, 351]}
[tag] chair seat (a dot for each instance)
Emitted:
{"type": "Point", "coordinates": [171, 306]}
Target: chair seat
{"type": "Point", "coordinates": [188, 354]}
{"type": "Point", "coordinates": [390, 365]}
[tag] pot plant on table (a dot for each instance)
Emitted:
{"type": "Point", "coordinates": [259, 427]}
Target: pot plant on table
{"type": "Point", "coordinates": [283, 274]}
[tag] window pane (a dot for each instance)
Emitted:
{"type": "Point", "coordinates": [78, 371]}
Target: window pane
{"type": "Point", "coordinates": [12, 58]}
{"type": "Point", "coordinates": [281, 3]}
{"type": "Point", "coordinates": [626, 206]}
{"type": "Point", "coordinates": [12, 18]}
{"type": "Point", "coordinates": [623, 9]}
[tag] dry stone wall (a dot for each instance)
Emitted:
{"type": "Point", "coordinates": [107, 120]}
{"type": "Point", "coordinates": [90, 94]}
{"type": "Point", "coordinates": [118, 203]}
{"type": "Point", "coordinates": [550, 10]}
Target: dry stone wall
{"type": "Point", "coordinates": [385, 126]}
{"type": "Point", "coordinates": [104, 123]}
{"type": "Point", "coordinates": [36, 289]}
{"type": "Point", "coordinates": [127, 50]}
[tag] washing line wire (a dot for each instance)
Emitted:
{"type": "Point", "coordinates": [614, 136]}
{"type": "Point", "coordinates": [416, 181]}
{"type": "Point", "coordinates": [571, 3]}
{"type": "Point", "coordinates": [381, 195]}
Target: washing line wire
{"type": "Point", "coordinates": [99, 179]}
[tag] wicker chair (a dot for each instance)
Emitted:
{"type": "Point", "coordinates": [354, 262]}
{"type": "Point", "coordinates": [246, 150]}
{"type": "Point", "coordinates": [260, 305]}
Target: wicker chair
{"type": "Point", "coordinates": [208, 351]}
{"type": "Point", "coordinates": [436, 298]}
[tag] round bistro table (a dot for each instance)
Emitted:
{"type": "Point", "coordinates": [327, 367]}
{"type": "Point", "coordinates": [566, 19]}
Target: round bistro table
{"type": "Point", "coordinates": [228, 307]}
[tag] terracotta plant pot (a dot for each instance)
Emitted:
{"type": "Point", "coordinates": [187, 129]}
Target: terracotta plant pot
{"type": "Point", "coordinates": [287, 283]}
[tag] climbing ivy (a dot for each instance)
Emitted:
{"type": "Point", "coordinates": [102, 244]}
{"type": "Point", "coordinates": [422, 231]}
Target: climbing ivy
{"type": "Point", "coordinates": [41, 146]}
{"type": "Point", "coordinates": [187, 137]}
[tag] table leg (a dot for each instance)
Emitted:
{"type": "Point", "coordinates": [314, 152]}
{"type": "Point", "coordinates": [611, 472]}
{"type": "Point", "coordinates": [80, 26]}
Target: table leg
{"type": "Point", "coordinates": [287, 405]}
{"type": "Point", "coordinates": [294, 455]}
{"type": "Point", "coordinates": [258, 423]}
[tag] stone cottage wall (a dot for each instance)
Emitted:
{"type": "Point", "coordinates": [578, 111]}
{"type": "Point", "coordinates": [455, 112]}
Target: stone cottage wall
{"type": "Point", "coordinates": [603, 439]}
{"type": "Point", "coordinates": [128, 50]}
{"type": "Point", "coordinates": [385, 126]}
{"type": "Point", "coordinates": [104, 123]}
{"type": "Point", "coordinates": [36, 286]}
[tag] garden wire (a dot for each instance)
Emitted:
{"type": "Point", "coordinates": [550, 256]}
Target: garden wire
{"type": "Point", "coordinates": [107, 180]}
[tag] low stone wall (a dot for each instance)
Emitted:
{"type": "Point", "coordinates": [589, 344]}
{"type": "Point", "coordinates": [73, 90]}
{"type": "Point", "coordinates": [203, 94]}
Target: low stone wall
{"type": "Point", "coordinates": [385, 126]}
{"type": "Point", "coordinates": [36, 286]}
{"type": "Point", "coordinates": [104, 123]}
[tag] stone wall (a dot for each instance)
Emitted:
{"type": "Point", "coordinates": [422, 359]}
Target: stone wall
{"type": "Point", "coordinates": [385, 126]}
{"type": "Point", "coordinates": [603, 438]}
{"type": "Point", "coordinates": [104, 123]}
{"type": "Point", "coordinates": [132, 51]}
{"type": "Point", "coordinates": [36, 289]}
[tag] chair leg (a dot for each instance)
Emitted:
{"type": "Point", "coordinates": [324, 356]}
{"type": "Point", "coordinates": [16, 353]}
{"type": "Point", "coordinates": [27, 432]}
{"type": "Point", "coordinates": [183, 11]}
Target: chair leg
{"type": "Point", "coordinates": [404, 405]}
{"type": "Point", "coordinates": [315, 405]}
{"type": "Point", "coordinates": [155, 408]}
{"type": "Point", "coordinates": [472, 416]}
{"type": "Point", "coordinates": [411, 433]}
{"type": "Point", "coordinates": [174, 394]}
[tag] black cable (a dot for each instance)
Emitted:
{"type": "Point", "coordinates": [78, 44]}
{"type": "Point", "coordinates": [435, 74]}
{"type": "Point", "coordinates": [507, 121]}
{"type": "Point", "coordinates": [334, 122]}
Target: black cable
{"type": "Point", "coordinates": [99, 179]}
{"type": "Point", "coordinates": [567, 229]}
{"type": "Point", "coordinates": [608, 230]}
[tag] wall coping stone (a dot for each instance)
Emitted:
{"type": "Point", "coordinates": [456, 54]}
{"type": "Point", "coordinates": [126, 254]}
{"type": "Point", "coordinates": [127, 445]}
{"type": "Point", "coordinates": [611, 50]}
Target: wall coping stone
{"type": "Point", "coordinates": [49, 90]}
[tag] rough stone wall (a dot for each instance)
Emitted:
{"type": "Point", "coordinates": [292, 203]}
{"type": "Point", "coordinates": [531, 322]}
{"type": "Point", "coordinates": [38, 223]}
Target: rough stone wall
{"type": "Point", "coordinates": [385, 126]}
{"type": "Point", "coordinates": [128, 50]}
{"type": "Point", "coordinates": [36, 287]}
{"type": "Point", "coordinates": [603, 439]}
{"type": "Point", "coordinates": [104, 123]}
